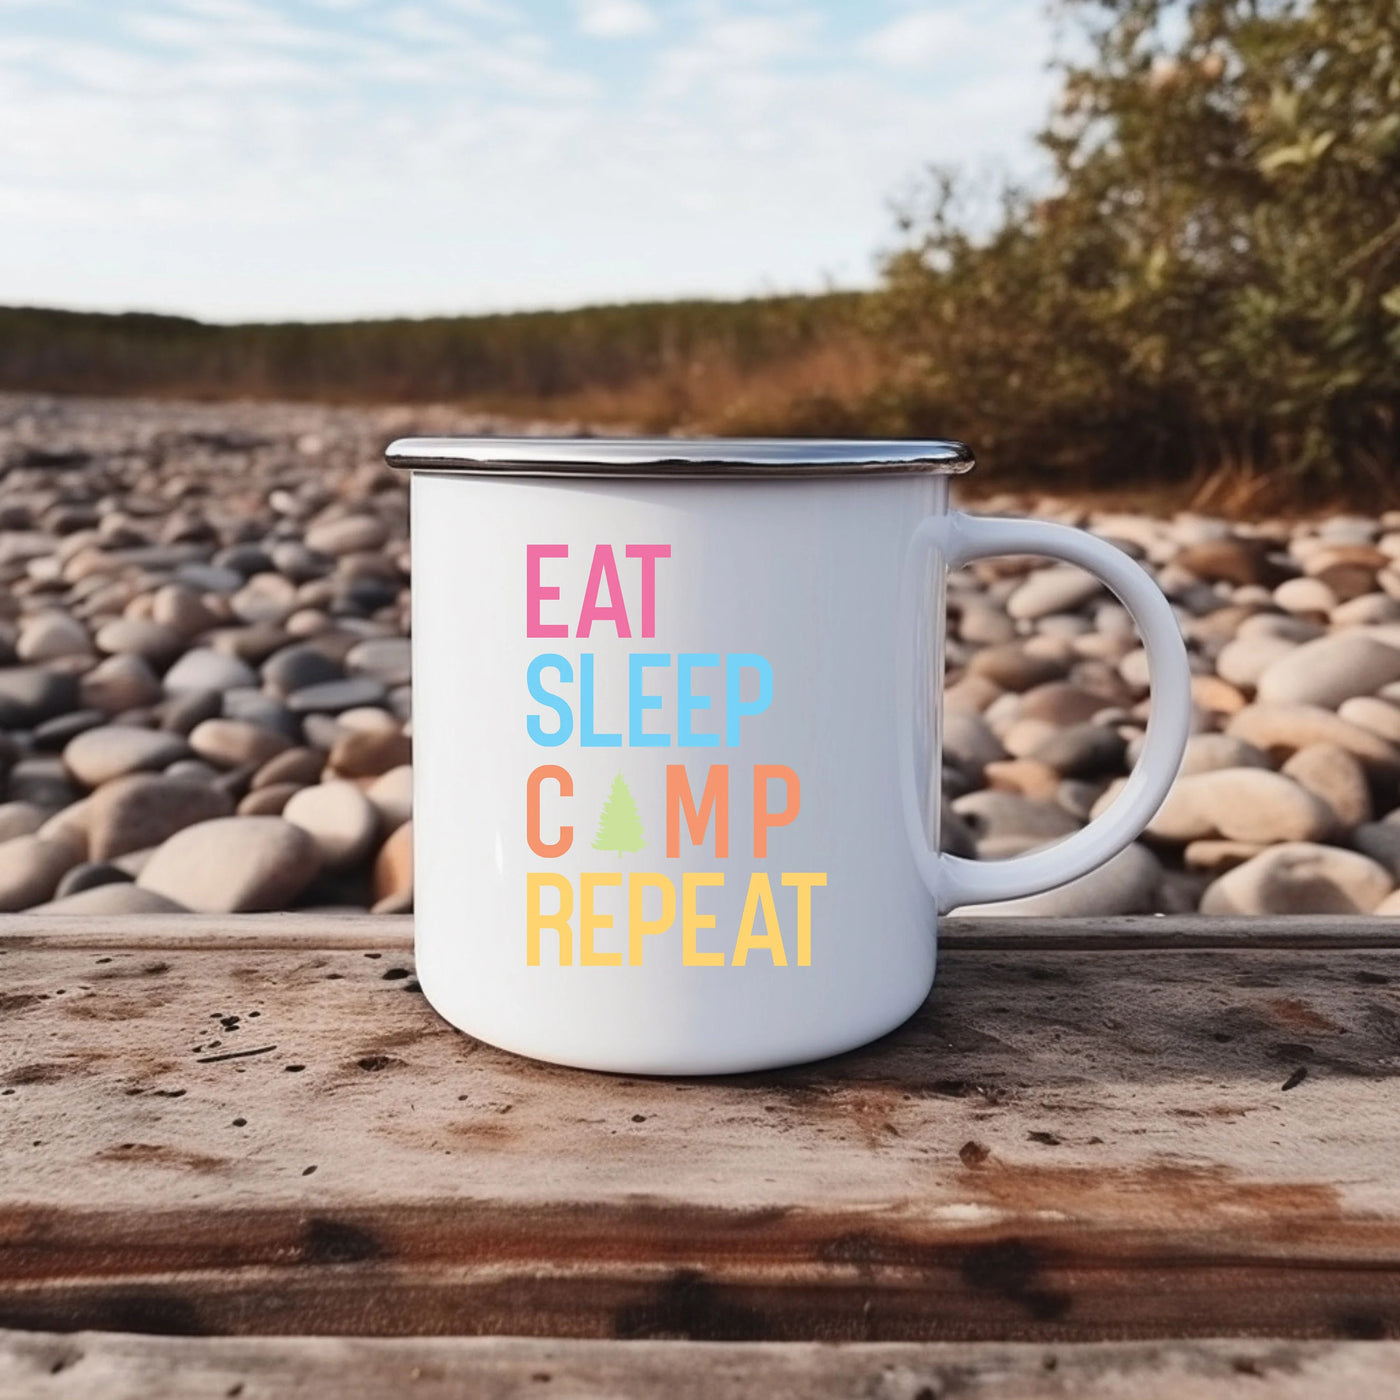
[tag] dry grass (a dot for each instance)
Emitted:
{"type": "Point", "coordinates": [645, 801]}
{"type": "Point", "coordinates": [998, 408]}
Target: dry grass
{"type": "Point", "coordinates": [806, 394]}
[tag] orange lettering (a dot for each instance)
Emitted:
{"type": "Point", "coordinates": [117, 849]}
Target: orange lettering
{"type": "Point", "coordinates": [762, 817]}
{"type": "Point", "coordinates": [541, 847]}
{"type": "Point", "coordinates": [679, 800]}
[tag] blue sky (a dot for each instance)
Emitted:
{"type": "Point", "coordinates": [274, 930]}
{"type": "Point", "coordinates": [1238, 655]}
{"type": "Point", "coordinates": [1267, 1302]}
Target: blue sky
{"type": "Point", "coordinates": [239, 159]}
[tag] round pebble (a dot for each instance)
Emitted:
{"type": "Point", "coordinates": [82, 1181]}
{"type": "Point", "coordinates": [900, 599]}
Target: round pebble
{"type": "Point", "coordinates": [142, 810]}
{"type": "Point", "coordinates": [265, 598]}
{"type": "Point", "coordinates": [112, 751]}
{"type": "Point", "coordinates": [1300, 879]}
{"type": "Point", "coordinates": [297, 667]}
{"type": "Point", "coordinates": [53, 735]}
{"type": "Point", "coordinates": [1242, 661]}
{"type": "Point", "coordinates": [979, 623]}
{"type": "Point", "coordinates": [256, 707]}
{"type": "Point", "coordinates": [1207, 752]}
{"type": "Point", "coordinates": [1380, 717]}
{"type": "Point", "coordinates": [330, 697]}
{"type": "Point", "coordinates": [42, 780]}
{"type": "Point", "coordinates": [29, 695]}
{"type": "Point", "coordinates": [1337, 778]}
{"type": "Point", "coordinates": [124, 898]}
{"type": "Point", "coordinates": [231, 743]}
{"type": "Point", "coordinates": [120, 683]}
{"type": "Point", "coordinates": [31, 867]}
{"type": "Point", "coordinates": [1280, 730]}
{"type": "Point", "coordinates": [348, 535]}
{"type": "Point", "coordinates": [1329, 670]}
{"type": "Point", "coordinates": [969, 741]}
{"type": "Point", "coordinates": [1380, 841]}
{"type": "Point", "coordinates": [206, 669]}
{"type": "Point", "coordinates": [267, 801]}
{"type": "Point", "coordinates": [1305, 596]}
{"type": "Point", "coordinates": [393, 873]}
{"type": "Point", "coordinates": [1013, 668]}
{"type": "Point", "coordinates": [992, 815]}
{"type": "Point", "coordinates": [1052, 590]}
{"type": "Point", "coordinates": [52, 635]}
{"type": "Point", "coordinates": [182, 609]}
{"type": "Point", "coordinates": [392, 796]}
{"type": "Point", "coordinates": [1027, 776]}
{"type": "Point", "coordinates": [1241, 804]}
{"type": "Point", "coordinates": [368, 753]}
{"type": "Point", "coordinates": [20, 819]}
{"type": "Point", "coordinates": [156, 641]}
{"type": "Point", "coordinates": [339, 818]}
{"type": "Point", "coordinates": [1082, 751]}
{"type": "Point", "coordinates": [300, 766]}
{"type": "Point", "coordinates": [1228, 561]}
{"type": "Point", "coordinates": [233, 865]}
{"type": "Point", "coordinates": [1061, 703]}
{"type": "Point", "coordinates": [90, 876]}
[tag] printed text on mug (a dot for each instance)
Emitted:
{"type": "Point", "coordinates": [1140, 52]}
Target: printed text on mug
{"type": "Point", "coordinates": [612, 918]}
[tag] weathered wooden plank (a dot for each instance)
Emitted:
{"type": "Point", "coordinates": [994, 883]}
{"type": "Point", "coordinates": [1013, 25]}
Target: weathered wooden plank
{"type": "Point", "coordinates": [352, 930]}
{"type": "Point", "coordinates": [1177, 931]}
{"type": "Point", "coordinates": [119, 1367]}
{"type": "Point", "coordinates": [1058, 1146]}
{"type": "Point", "coordinates": [195, 932]}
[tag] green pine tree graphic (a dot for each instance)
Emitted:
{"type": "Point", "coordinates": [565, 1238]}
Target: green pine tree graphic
{"type": "Point", "coordinates": [619, 824]}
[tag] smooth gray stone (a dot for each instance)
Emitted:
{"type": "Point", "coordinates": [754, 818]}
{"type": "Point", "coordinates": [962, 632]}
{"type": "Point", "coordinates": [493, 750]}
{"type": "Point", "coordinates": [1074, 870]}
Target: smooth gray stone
{"type": "Point", "coordinates": [295, 668]}
{"type": "Point", "coordinates": [90, 875]}
{"type": "Point", "coordinates": [331, 697]}
{"type": "Point", "coordinates": [209, 578]}
{"type": "Point", "coordinates": [207, 669]}
{"type": "Point", "coordinates": [1083, 751]}
{"type": "Point", "coordinates": [183, 711]}
{"type": "Point", "coordinates": [53, 735]}
{"type": "Point", "coordinates": [259, 708]}
{"type": "Point", "coordinates": [29, 695]}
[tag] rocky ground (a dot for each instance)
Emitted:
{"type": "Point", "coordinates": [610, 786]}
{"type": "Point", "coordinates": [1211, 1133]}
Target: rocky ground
{"type": "Point", "coordinates": [205, 699]}
{"type": "Point", "coordinates": [204, 657]}
{"type": "Point", "coordinates": [1287, 800]}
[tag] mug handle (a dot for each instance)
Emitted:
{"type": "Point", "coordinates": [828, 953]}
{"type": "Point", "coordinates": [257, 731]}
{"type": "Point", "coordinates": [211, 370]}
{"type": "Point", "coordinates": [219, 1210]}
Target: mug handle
{"type": "Point", "coordinates": [953, 880]}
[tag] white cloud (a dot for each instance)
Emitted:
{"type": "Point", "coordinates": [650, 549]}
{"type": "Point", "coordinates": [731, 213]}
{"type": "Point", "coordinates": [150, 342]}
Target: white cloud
{"type": "Point", "coordinates": [917, 38]}
{"type": "Point", "coordinates": [929, 37]}
{"type": "Point", "coordinates": [730, 52]}
{"type": "Point", "coordinates": [614, 19]}
{"type": "Point", "coordinates": [420, 156]}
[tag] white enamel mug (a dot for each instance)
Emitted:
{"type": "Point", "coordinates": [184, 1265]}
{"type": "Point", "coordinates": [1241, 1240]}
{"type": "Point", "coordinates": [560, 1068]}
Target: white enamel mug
{"type": "Point", "coordinates": [677, 741]}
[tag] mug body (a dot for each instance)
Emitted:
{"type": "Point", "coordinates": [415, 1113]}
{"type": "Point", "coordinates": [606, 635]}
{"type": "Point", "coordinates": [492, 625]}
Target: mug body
{"type": "Point", "coordinates": [657, 821]}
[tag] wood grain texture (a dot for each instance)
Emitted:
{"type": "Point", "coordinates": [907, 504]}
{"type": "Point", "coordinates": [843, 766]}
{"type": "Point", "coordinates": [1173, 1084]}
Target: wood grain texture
{"type": "Point", "coordinates": [349, 929]}
{"type": "Point", "coordinates": [36, 1366]}
{"type": "Point", "coordinates": [208, 1133]}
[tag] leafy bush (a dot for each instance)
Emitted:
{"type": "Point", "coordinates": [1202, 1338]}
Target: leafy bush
{"type": "Point", "coordinates": [1212, 288]}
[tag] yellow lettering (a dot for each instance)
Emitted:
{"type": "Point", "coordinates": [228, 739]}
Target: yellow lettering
{"type": "Point", "coordinates": [805, 881]}
{"type": "Point", "coordinates": [589, 919]}
{"type": "Point", "coordinates": [760, 893]}
{"type": "Point", "coordinates": [536, 919]}
{"type": "Point", "coordinates": [749, 938]}
{"type": "Point", "coordinates": [638, 926]}
{"type": "Point", "coordinates": [692, 921]}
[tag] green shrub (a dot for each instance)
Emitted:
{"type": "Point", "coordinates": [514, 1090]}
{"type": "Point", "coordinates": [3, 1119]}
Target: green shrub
{"type": "Point", "coordinates": [1213, 283]}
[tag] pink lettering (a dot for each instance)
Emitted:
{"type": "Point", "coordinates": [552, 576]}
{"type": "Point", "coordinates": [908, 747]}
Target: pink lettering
{"type": "Point", "coordinates": [648, 554]}
{"type": "Point", "coordinates": [604, 567]}
{"type": "Point", "coordinates": [536, 593]}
